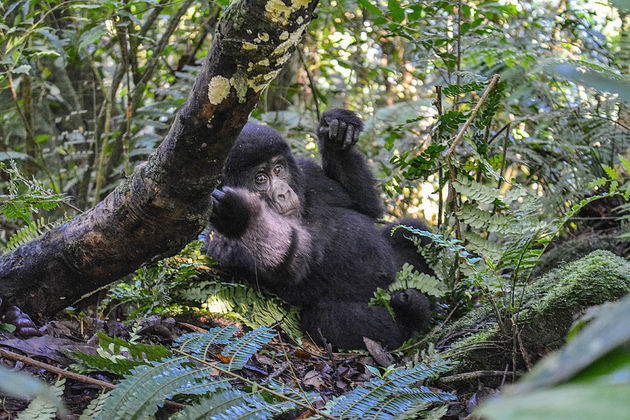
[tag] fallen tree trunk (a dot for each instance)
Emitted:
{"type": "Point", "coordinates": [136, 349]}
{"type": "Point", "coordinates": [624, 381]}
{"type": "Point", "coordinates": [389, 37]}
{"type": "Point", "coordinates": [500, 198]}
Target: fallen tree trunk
{"type": "Point", "coordinates": [163, 205]}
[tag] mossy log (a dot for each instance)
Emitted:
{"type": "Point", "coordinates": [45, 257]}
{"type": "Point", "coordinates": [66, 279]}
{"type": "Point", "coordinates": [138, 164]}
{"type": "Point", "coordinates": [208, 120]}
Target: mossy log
{"type": "Point", "coordinates": [480, 341]}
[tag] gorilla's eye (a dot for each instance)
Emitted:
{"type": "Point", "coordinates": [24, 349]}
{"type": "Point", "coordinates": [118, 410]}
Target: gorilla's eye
{"type": "Point", "coordinates": [261, 178]}
{"type": "Point", "coordinates": [277, 169]}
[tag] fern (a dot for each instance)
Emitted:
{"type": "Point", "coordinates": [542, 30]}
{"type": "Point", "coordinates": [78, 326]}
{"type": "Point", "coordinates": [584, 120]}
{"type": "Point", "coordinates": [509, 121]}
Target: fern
{"type": "Point", "coordinates": [407, 278]}
{"type": "Point", "coordinates": [197, 345]}
{"type": "Point", "coordinates": [110, 358]}
{"type": "Point", "coordinates": [240, 350]}
{"type": "Point", "coordinates": [24, 386]}
{"type": "Point", "coordinates": [243, 303]}
{"type": "Point", "coordinates": [456, 90]}
{"type": "Point", "coordinates": [140, 393]}
{"type": "Point", "coordinates": [26, 233]}
{"type": "Point", "coordinates": [93, 410]}
{"type": "Point", "coordinates": [380, 395]}
{"type": "Point", "coordinates": [489, 250]}
{"type": "Point", "coordinates": [232, 404]}
{"type": "Point", "coordinates": [45, 407]}
{"type": "Point", "coordinates": [481, 193]}
{"type": "Point", "coordinates": [26, 196]}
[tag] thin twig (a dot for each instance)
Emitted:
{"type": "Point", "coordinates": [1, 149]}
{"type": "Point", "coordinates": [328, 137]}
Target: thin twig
{"type": "Point", "coordinates": [526, 358]}
{"type": "Point", "coordinates": [310, 82]}
{"type": "Point", "coordinates": [297, 381]}
{"type": "Point", "coordinates": [505, 145]}
{"type": "Point", "coordinates": [438, 105]}
{"type": "Point", "coordinates": [54, 369]}
{"type": "Point", "coordinates": [473, 114]}
{"type": "Point", "coordinates": [70, 375]}
{"type": "Point", "coordinates": [29, 132]}
{"type": "Point", "coordinates": [498, 133]}
{"type": "Point", "coordinates": [472, 375]}
{"type": "Point", "coordinates": [459, 42]}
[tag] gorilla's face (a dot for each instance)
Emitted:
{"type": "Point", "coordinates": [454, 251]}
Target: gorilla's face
{"type": "Point", "coordinates": [272, 181]}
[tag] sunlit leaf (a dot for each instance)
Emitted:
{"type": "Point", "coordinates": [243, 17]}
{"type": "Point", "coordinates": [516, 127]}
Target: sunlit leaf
{"type": "Point", "coordinates": [590, 77]}
{"type": "Point", "coordinates": [621, 4]}
{"type": "Point", "coordinates": [576, 402]}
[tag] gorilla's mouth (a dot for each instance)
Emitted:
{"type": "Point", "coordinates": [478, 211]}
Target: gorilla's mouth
{"type": "Point", "coordinates": [287, 211]}
{"type": "Point", "coordinates": [290, 212]}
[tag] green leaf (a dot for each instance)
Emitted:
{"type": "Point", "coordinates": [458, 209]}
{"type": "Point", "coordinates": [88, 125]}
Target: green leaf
{"type": "Point", "coordinates": [370, 7]}
{"type": "Point", "coordinates": [89, 37]}
{"type": "Point", "coordinates": [587, 76]}
{"type": "Point", "coordinates": [396, 12]}
{"type": "Point", "coordinates": [576, 402]}
{"type": "Point", "coordinates": [612, 174]}
{"type": "Point", "coordinates": [23, 69]}
{"type": "Point", "coordinates": [621, 4]}
{"type": "Point", "coordinates": [625, 162]}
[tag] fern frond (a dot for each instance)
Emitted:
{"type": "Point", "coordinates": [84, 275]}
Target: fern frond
{"type": "Point", "coordinates": [28, 232]}
{"type": "Point", "coordinates": [138, 395]}
{"type": "Point", "coordinates": [490, 250]}
{"type": "Point", "coordinates": [243, 348]}
{"type": "Point", "coordinates": [474, 190]}
{"type": "Point", "coordinates": [197, 344]}
{"type": "Point", "coordinates": [521, 256]}
{"type": "Point", "coordinates": [43, 407]}
{"type": "Point", "coordinates": [402, 403]}
{"type": "Point", "coordinates": [233, 404]}
{"type": "Point", "coordinates": [93, 410]}
{"type": "Point", "coordinates": [407, 278]}
{"type": "Point", "coordinates": [481, 219]}
{"type": "Point", "coordinates": [247, 305]}
{"type": "Point", "coordinates": [456, 90]}
{"type": "Point", "coordinates": [366, 400]}
{"type": "Point", "coordinates": [94, 362]}
{"type": "Point", "coordinates": [110, 358]}
{"type": "Point", "coordinates": [137, 351]}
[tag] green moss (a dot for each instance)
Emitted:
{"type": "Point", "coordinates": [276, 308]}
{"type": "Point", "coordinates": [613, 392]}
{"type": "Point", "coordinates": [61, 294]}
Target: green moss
{"type": "Point", "coordinates": [478, 351]}
{"type": "Point", "coordinates": [569, 251]}
{"type": "Point", "coordinates": [557, 298]}
{"type": "Point", "coordinates": [550, 306]}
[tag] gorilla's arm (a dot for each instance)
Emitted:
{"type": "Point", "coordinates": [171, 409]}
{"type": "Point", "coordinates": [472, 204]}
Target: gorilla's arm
{"type": "Point", "coordinates": [251, 232]}
{"type": "Point", "coordinates": [338, 131]}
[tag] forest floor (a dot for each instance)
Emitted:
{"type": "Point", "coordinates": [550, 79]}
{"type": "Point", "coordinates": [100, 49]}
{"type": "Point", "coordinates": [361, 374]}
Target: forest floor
{"type": "Point", "coordinates": [330, 374]}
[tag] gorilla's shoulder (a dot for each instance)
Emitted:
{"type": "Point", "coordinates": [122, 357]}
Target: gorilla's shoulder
{"type": "Point", "coordinates": [309, 167]}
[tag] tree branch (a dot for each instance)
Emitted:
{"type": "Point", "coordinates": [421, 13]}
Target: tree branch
{"type": "Point", "coordinates": [163, 205]}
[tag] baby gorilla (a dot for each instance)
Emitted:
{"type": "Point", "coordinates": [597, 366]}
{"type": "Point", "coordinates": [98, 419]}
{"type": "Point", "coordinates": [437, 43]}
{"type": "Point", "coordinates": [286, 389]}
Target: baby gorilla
{"type": "Point", "coordinates": [307, 234]}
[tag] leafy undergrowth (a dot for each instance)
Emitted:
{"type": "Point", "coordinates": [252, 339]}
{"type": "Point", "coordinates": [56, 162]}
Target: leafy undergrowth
{"type": "Point", "coordinates": [222, 372]}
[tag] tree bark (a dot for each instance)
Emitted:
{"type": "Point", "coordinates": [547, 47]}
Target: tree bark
{"type": "Point", "coordinates": [163, 205]}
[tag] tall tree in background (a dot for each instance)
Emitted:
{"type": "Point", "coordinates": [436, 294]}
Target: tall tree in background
{"type": "Point", "coordinates": [163, 204]}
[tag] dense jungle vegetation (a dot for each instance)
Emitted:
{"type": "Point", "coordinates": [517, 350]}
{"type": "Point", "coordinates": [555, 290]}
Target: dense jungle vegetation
{"type": "Point", "coordinates": [504, 124]}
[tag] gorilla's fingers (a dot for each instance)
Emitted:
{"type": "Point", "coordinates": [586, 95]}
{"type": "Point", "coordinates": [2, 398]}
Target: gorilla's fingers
{"type": "Point", "coordinates": [348, 140]}
{"type": "Point", "coordinates": [218, 194]}
{"type": "Point", "coordinates": [334, 129]}
{"type": "Point", "coordinates": [357, 132]}
{"type": "Point", "coordinates": [341, 135]}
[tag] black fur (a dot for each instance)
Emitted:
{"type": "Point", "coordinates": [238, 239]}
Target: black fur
{"type": "Point", "coordinates": [325, 254]}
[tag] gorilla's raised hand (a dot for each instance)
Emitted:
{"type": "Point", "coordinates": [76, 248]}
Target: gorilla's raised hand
{"type": "Point", "coordinates": [232, 210]}
{"type": "Point", "coordinates": [340, 127]}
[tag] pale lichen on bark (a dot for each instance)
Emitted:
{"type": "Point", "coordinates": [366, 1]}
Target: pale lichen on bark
{"type": "Point", "coordinates": [218, 89]}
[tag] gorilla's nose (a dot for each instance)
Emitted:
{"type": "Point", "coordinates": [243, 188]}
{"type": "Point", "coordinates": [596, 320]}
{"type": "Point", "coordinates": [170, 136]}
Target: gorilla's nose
{"type": "Point", "coordinates": [282, 195]}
